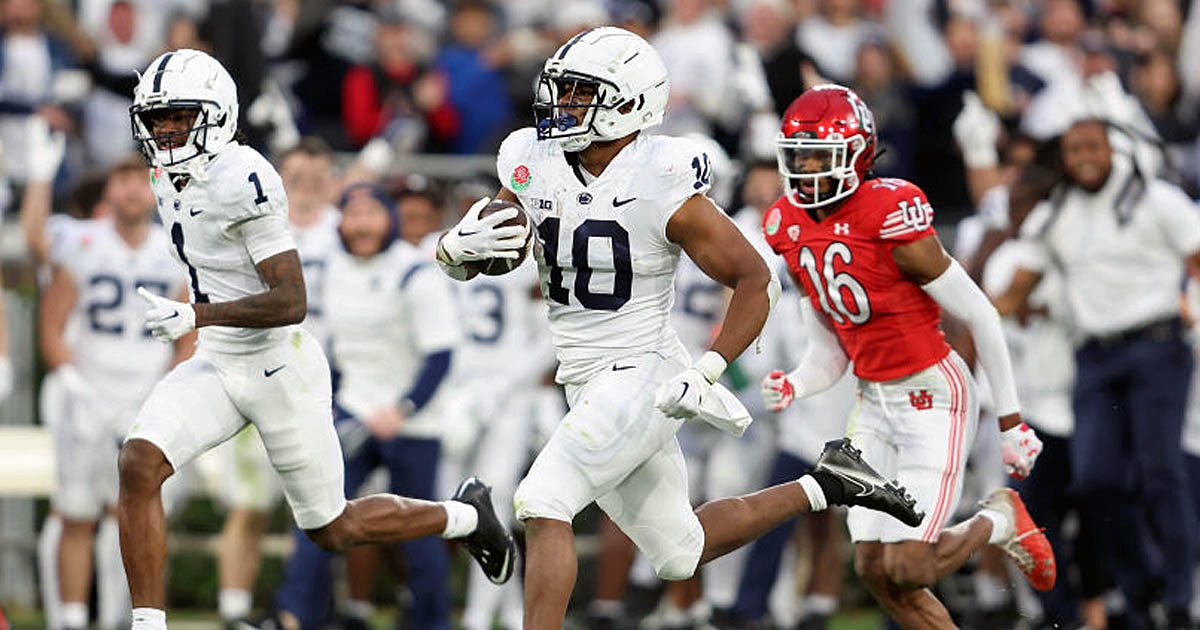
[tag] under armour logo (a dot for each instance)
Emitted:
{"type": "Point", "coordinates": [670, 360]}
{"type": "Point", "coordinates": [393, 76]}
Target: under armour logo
{"type": "Point", "coordinates": [921, 400]}
{"type": "Point", "coordinates": [841, 228]}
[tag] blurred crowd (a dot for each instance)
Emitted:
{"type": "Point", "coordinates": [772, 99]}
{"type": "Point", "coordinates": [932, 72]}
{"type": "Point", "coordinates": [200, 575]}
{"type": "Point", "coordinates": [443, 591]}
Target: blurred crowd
{"type": "Point", "coordinates": [455, 77]}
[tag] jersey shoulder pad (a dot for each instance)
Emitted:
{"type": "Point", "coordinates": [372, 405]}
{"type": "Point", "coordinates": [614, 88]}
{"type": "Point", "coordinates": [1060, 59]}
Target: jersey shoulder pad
{"type": "Point", "coordinates": [517, 156]}
{"type": "Point", "coordinates": [900, 206]}
{"type": "Point", "coordinates": [678, 168]}
{"type": "Point", "coordinates": [72, 241]}
{"type": "Point", "coordinates": [245, 183]}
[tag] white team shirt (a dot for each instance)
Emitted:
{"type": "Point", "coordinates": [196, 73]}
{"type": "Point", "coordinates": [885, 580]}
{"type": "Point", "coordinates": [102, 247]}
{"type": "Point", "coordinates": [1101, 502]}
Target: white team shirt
{"type": "Point", "coordinates": [110, 345]}
{"type": "Point", "coordinates": [1042, 355]}
{"type": "Point", "coordinates": [220, 227]}
{"type": "Point", "coordinates": [316, 243]}
{"type": "Point", "coordinates": [1120, 273]}
{"type": "Point", "coordinates": [606, 265]}
{"type": "Point", "coordinates": [385, 313]}
{"type": "Point", "coordinates": [501, 320]}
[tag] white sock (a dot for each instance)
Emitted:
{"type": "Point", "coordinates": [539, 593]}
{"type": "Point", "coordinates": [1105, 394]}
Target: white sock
{"type": "Point", "coordinates": [461, 519]}
{"type": "Point", "coordinates": [360, 609]}
{"type": "Point", "coordinates": [149, 619]}
{"type": "Point", "coordinates": [824, 605]}
{"type": "Point", "coordinates": [816, 496]}
{"type": "Point", "coordinates": [991, 592]}
{"type": "Point", "coordinates": [234, 603]}
{"type": "Point", "coordinates": [1000, 526]}
{"type": "Point", "coordinates": [74, 615]}
{"type": "Point", "coordinates": [48, 570]}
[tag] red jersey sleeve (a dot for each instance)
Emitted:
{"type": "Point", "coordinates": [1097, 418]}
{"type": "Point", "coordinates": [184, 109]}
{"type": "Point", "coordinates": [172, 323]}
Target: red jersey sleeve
{"type": "Point", "coordinates": [908, 217]}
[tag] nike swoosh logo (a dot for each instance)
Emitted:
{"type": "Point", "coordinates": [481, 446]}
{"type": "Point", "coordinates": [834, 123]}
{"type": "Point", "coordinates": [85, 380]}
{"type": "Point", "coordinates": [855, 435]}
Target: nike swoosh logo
{"type": "Point", "coordinates": [685, 388]}
{"type": "Point", "coordinates": [618, 204]}
{"type": "Point", "coordinates": [270, 373]}
{"type": "Point", "coordinates": [175, 314]}
{"type": "Point", "coordinates": [462, 233]}
{"type": "Point", "coordinates": [618, 368]}
{"type": "Point", "coordinates": [194, 212]}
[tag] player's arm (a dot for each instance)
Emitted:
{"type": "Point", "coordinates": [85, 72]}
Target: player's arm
{"type": "Point", "coordinates": [721, 251]}
{"type": "Point", "coordinates": [823, 364]}
{"type": "Point", "coordinates": [284, 302]}
{"type": "Point", "coordinates": [58, 300]}
{"type": "Point", "coordinates": [926, 263]}
{"type": "Point", "coordinates": [1015, 299]}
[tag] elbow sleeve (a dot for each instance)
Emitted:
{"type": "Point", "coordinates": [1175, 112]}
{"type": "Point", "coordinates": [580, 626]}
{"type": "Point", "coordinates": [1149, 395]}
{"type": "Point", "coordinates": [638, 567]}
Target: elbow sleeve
{"type": "Point", "coordinates": [961, 297]}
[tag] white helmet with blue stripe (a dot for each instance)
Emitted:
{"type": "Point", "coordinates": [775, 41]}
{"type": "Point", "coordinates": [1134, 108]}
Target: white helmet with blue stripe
{"type": "Point", "coordinates": [184, 80]}
{"type": "Point", "coordinates": [603, 84]}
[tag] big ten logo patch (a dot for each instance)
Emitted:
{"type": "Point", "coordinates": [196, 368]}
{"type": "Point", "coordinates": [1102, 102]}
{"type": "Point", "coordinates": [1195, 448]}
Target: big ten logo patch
{"type": "Point", "coordinates": [921, 400]}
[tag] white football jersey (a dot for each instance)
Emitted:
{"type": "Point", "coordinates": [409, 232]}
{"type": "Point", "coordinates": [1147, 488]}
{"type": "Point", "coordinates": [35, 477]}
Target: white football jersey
{"type": "Point", "coordinates": [209, 223]}
{"type": "Point", "coordinates": [316, 243]}
{"type": "Point", "coordinates": [501, 320]}
{"type": "Point", "coordinates": [110, 345]}
{"type": "Point", "coordinates": [384, 314]}
{"type": "Point", "coordinates": [607, 268]}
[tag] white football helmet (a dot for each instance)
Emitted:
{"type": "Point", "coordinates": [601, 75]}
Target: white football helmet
{"type": "Point", "coordinates": [621, 69]}
{"type": "Point", "coordinates": [184, 79]}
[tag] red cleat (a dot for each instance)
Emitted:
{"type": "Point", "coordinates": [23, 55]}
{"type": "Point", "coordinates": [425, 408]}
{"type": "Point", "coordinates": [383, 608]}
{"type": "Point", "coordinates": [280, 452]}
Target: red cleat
{"type": "Point", "coordinates": [1025, 543]}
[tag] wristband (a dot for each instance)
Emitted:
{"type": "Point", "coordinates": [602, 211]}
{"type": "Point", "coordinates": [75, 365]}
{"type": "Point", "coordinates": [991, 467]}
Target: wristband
{"type": "Point", "coordinates": [711, 365]}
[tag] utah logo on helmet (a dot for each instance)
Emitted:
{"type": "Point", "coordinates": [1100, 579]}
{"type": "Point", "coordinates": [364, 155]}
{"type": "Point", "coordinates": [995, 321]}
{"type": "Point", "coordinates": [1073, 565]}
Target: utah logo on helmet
{"type": "Point", "coordinates": [184, 81]}
{"type": "Point", "coordinates": [603, 84]}
{"type": "Point", "coordinates": [826, 146]}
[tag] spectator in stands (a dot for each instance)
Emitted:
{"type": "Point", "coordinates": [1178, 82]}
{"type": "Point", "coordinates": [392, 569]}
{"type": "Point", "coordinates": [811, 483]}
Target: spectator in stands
{"type": "Point", "coordinates": [477, 90]}
{"type": "Point", "coordinates": [768, 25]}
{"type": "Point", "coordinates": [879, 82]}
{"type": "Point", "coordinates": [399, 96]}
{"type": "Point", "coordinates": [1133, 367]}
{"type": "Point", "coordinates": [697, 50]}
{"type": "Point", "coordinates": [30, 61]}
{"type": "Point", "coordinates": [832, 38]}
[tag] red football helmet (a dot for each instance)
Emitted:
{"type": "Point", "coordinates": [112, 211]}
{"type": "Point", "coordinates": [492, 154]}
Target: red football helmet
{"type": "Point", "coordinates": [827, 136]}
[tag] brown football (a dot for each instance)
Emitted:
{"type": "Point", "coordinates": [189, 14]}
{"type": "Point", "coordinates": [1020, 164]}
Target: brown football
{"type": "Point", "coordinates": [501, 266]}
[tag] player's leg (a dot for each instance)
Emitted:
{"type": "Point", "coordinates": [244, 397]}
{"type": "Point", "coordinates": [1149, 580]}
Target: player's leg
{"type": "Point", "coordinates": [827, 543]}
{"type": "Point", "coordinates": [1161, 373]}
{"type": "Point", "coordinates": [613, 563]}
{"type": "Point", "coordinates": [762, 566]}
{"type": "Point", "coordinates": [47, 548]}
{"type": "Point", "coordinates": [112, 588]}
{"type": "Point", "coordinates": [187, 413]}
{"type": "Point", "coordinates": [500, 459]}
{"type": "Point", "coordinates": [251, 489]}
{"type": "Point", "coordinates": [413, 464]}
{"type": "Point", "coordinates": [908, 607]}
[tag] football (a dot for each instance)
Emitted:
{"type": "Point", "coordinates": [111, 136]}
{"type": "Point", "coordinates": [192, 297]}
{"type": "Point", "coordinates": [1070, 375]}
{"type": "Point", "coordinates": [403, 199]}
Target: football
{"type": "Point", "coordinates": [501, 266]}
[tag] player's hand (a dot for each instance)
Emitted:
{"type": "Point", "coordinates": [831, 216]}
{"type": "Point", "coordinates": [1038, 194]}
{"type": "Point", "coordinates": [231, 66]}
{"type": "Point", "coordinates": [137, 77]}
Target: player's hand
{"type": "Point", "coordinates": [479, 239]}
{"type": "Point", "coordinates": [777, 391]}
{"type": "Point", "coordinates": [45, 150]}
{"type": "Point", "coordinates": [1020, 447]}
{"type": "Point", "coordinates": [682, 396]}
{"type": "Point", "coordinates": [167, 320]}
{"type": "Point", "coordinates": [386, 423]}
{"type": "Point", "coordinates": [976, 130]}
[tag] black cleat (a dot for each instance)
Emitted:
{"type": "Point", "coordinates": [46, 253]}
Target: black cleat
{"type": "Point", "coordinates": [491, 543]}
{"type": "Point", "coordinates": [863, 486]}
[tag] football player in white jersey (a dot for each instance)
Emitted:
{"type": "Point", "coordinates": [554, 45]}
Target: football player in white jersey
{"type": "Point", "coordinates": [613, 210]}
{"type": "Point", "coordinates": [103, 364]}
{"type": "Point", "coordinates": [251, 487]}
{"type": "Point", "coordinates": [226, 213]}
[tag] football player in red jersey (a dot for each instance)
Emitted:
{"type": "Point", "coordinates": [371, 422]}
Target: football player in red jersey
{"type": "Point", "coordinates": [865, 253]}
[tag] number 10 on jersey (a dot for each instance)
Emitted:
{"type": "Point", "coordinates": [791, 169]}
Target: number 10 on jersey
{"type": "Point", "coordinates": [622, 265]}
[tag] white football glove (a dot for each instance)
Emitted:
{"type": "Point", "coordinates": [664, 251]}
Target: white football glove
{"type": "Point", "coordinates": [45, 150]}
{"type": "Point", "coordinates": [976, 130]}
{"type": "Point", "coordinates": [167, 320]}
{"type": "Point", "coordinates": [682, 396]}
{"type": "Point", "coordinates": [777, 391]}
{"type": "Point", "coordinates": [479, 239]}
{"type": "Point", "coordinates": [1020, 448]}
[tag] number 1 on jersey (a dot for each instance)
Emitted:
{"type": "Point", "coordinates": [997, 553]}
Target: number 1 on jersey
{"type": "Point", "coordinates": [177, 239]}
